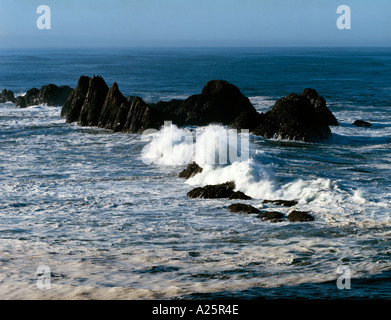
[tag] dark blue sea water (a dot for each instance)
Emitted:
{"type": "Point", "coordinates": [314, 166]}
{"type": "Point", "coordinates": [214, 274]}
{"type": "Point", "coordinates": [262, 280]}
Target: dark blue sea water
{"type": "Point", "coordinates": [82, 202]}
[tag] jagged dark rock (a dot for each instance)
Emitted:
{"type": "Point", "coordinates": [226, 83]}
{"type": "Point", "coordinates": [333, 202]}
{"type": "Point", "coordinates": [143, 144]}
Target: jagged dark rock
{"type": "Point", "coordinates": [302, 117]}
{"type": "Point", "coordinates": [284, 203]}
{"type": "Point", "coordinates": [7, 96]}
{"type": "Point", "coordinates": [241, 207]}
{"type": "Point", "coordinates": [72, 106]}
{"type": "Point", "coordinates": [362, 123]}
{"type": "Point", "coordinates": [50, 94]}
{"type": "Point", "coordinates": [121, 117]}
{"type": "Point", "coordinates": [191, 170]}
{"type": "Point", "coordinates": [29, 99]}
{"type": "Point", "coordinates": [323, 113]}
{"type": "Point", "coordinates": [53, 95]}
{"type": "Point", "coordinates": [272, 216]}
{"type": "Point", "coordinates": [130, 98]}
{"type": "Point", "coordinates": [300, 216]}
{"type": "Point", "coordinates": [224, 190]}
{"type": "Point", "coordinates": [109, 117]}
{"type": "Point", "coordinates": [93, 103]}
{"type": "Point", "coordinates": [20, 102]}
{"type": "Point", "coordinates": [141, 116]}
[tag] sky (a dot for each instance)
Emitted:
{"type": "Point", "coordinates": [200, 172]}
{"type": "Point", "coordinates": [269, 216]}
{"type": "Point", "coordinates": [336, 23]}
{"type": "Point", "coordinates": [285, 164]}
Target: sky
{"type": "Point", "coordinates": [181, 23]}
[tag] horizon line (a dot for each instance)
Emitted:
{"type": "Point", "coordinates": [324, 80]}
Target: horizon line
{"type": "Point", "coordinates": [203, 47]}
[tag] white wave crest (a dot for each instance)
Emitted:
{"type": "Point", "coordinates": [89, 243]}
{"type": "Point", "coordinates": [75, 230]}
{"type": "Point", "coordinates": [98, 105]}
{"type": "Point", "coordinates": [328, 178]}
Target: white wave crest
{"type": "Point", "coordinates": [213, 144]}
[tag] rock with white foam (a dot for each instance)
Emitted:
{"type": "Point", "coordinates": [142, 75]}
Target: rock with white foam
{"type": "Point", "coordinates": [50, 94]}
{"type": "Point", "coordinates": [7, 96]}
{"type": "Point", "coordinates": [224, 190]}
{"type": "Point", "coordinates": [191, 170]}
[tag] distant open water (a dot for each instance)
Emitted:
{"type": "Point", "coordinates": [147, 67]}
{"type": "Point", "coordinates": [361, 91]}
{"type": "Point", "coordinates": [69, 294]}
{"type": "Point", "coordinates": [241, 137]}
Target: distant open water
{"type": "Point", "coordinates": [81, 201]}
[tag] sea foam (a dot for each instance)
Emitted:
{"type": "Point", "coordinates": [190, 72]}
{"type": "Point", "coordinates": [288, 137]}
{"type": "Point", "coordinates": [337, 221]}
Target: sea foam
{"type": "Point", "coordinates": [212, 144]}
{"type": "Point", "coordinates": [207, 145]}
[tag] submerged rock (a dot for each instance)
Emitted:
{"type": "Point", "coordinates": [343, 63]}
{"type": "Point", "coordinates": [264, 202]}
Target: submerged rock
{"type": "Point", "coordinates": [300, 216]}
{"type": "Point", "coordinates": [241, 207]}
{"type": "Point", "coordinates": [284, 203]}
{"type": "Point", "coordinates": [362, 123]}
{"type": "Point", "coordinates": [191, 170]}
{"type": "Point", "coordinates": [224, 190]}
{"type": "Point", "coordinates": [272, 216]}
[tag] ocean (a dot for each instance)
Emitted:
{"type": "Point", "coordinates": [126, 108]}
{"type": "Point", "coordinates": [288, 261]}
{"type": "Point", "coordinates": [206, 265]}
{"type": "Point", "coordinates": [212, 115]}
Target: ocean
{"type": "Point", "coordinates": [80, 204]}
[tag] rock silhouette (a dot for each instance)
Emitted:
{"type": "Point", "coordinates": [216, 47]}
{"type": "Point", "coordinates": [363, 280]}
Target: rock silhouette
{"type": "Point", "coordinates": [362, 123]}
{"type": "Point", "coordinates": [191, 170]}
{"type": "Point", "coordinates": [93, 102]}
{"type": "Point", "coordinates": [241, 207]}
{"type": "Point", "coordinates": [50, 94]}
{"type": "Point", "coordinates": [300, 216]}
{"type": "Point", "coordinates": [7, 96]}
{"type": "Point", "coordinates": [302, 117]}
{"type": "Point", "coordinates": [284, 203]}
{"type": "Point", "coordinates": [224, 190]}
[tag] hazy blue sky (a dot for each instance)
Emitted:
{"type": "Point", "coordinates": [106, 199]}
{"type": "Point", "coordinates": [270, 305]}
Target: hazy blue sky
{"type": "Point", "coordinates": [194, 23]}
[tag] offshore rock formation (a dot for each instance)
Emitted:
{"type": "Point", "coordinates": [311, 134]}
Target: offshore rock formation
{"type": "Point", "coordinates": [72, 106]}
{"type": "Point", "coordinates": [362, 123]}
{"type": "Point", "coordinates": [224, 190]}
{"type": "Point", "coordinates": [191, 170]}
{"type": "Point", "coordinates": [283, 203]}
{"type": "Point", "coordinates": [302, 117]}
{"type": "Point", "coordinates": [140, 116]}
{"type": "Point", "coordinates": [110, 117]}
{"type": "Point", "coordinates": [272, 216]}
{"type": "Point", "coordinates": [7, 96]}
{"type": "Point", "coordinates": [96, 105]}
{"type": "Point", "coordinates": [50, 94]}
{"type": "Point", "coordinates": [93, 103]}
{"type": "Point", "coordinates": [243, 208]}
{"type": "Point", "coordinates": [219, 102]}
{"type": "Point", "coordinates": [300, 216]}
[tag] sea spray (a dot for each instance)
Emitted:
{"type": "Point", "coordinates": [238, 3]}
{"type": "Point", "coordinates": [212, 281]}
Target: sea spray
{"type": "Point", "coordinates": [213, 147]}
{"type": "Point", "coordinates": [213, 144]}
